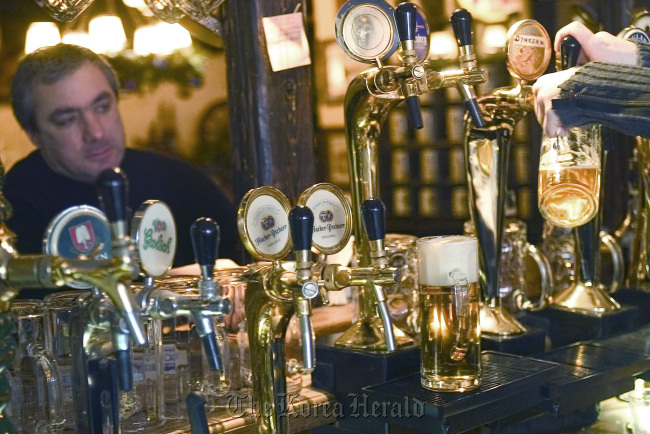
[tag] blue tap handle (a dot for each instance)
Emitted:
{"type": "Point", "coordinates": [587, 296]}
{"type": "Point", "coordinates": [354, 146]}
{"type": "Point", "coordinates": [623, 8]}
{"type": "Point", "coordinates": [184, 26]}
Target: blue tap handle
{"type": "Point", "coordinates": [301, 222]}
{"type": "Point", "coordinates": [196, 414]}
{"type": "Point", "coordinates": [414, 112]}
{"type": "Point", "coordinates": [569, 52]}
{"type": "Point", "coordinates": [124, 371]}
{"type": "Point", "coordinates": [205, 234]}
{"type": "Point", "coordinates": [112, 187]}
{"type": "Point", "coordinates": [373, 212]}
{"type": "Point", "coordinates": [461, 23]}
{"type": "Point", "coordinates": [405, 19]}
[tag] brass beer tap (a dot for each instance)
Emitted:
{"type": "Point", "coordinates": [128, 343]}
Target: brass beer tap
{"type": "Point", "coordinates": [487, 149]}
{"type": "Point", "coordinates": [274, 294]}
{"type": "Point", "coordinates": [369, 99]}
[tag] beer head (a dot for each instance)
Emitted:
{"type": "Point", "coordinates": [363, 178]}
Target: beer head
{"type": "Point", "coordinates": [438, 255]}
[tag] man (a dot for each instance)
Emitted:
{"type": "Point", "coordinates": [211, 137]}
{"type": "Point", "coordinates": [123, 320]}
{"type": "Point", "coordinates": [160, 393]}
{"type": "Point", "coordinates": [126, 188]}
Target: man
{"type": "Point", "coordinates": [65, 98]}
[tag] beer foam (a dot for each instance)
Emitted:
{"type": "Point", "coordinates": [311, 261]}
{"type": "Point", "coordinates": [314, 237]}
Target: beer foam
{"type": "Point", "coordinates": [437, 256]}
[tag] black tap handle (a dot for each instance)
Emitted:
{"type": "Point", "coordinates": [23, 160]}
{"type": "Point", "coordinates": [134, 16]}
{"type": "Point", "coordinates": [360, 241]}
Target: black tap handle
{"type": "Point", "coordinates": [461, 23]}
{"type": "Point", "coordinates": [124, 371]}
{"type": "Point", "coordinates": [405, 19]}
{"type": "Point", "coordinates": [211, 349]}
{"type": "Point", "coordinates": [205, 241]}
{"type": "Point", "coordinates": [569, 52]}
{"type": "Point", "coordinates": [112, 187]}
{"type": "Point", "coordinates": [373, 212]}
{"type": "Point", "coordinates": [301, 222]}
{"type": "Point", "coordinates": [414, 112]}
{"type": "Point", "coordinates": [196, 414]}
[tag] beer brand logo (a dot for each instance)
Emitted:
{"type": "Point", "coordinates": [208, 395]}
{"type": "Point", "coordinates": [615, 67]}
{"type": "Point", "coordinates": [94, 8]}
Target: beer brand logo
{"type": "Point", "coordinates": [268, 223]}
{"type": "Point", "coordinates": [158, 244]}
{"type": "Point", "coordinates": [530, 40]}
{"type": "Point", "coordinates": [83, 236]}
{"type": "Point", "coordinates": [326, 216]}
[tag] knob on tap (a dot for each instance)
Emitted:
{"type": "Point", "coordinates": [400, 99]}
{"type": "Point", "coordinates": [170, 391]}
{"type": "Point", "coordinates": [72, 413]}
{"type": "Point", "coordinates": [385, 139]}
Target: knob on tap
{"type": "Point", "coordinates": [569, 52]}
{"type": "Point", "coordinates": [205, 241]}
{"type": "Point", "coordinates": [112, 186]}
{"type": "Point", "coordinates": [405, 19]}
{"type": "Point", "coordinates": [301, 222]}
{"type": "Point", "coordinates": [461, 23]}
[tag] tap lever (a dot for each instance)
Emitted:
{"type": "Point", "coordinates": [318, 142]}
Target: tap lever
{"type": "Point", "coordinates": [205, 241]}
{"type": "Point", "coordinates": [569, 52]}
{"type": "Point", "coordinates": [301, 222]}
{"type": "Point", "coordinates": [211, 349]}
{"type": "Point", "coordinates": [122, 353]}
{"type": "Point", "coordinates": [196, 414]}
{"type": "Point", "coordinates": [461, 23]}
{"type": "Point", "coordinates": [112, 186]}
{"type": "Point", "coordinates": [373, 212]}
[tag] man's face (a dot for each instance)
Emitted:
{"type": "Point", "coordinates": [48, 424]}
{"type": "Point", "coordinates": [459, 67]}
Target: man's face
{"type": "Point", "coordinates": [80, 129]}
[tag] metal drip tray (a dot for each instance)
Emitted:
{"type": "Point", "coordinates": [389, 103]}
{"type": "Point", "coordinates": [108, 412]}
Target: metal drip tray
{"type": "Point", "coordinates": [510, 384]}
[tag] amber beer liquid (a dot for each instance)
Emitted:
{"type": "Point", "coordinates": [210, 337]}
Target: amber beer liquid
{"type": "Point", "coordinates": [569, 177]}
{"type": "Point", "coordinates": [450, 335]}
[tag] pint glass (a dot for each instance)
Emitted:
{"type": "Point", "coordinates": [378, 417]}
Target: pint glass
{"type": "Point", "coordinates": [569, 177]}
{"type": "Point", "coordinates": [450, 337]}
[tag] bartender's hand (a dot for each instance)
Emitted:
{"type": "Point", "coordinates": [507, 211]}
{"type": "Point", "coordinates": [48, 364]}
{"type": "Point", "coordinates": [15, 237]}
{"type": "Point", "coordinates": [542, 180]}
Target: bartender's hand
{"type": "Point", "coordinates": [545, 90]}
{"type": "Point", "coordinates": [601, 46]}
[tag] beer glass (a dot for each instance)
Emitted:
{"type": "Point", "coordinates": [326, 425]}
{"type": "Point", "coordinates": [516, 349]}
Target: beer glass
{"type": "Point", "coordinates": [569, 177]}
{"type": "Point", "coordinates": [450, 337]}
{"type": "Point", "coordinates": [36, 396]}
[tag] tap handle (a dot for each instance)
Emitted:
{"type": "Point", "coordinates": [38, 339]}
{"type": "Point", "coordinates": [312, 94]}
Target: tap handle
{"type": "Point", "coordinates": [569, 52]}
{"type": "Point", "coordinates": [205, 241]}
{"type": "Point", "coordinates": [211, 349]}
{"type": "Point", "coordinates": [124, 372]}
{"type": "Point", "coordinates": [461, 23]}
{"type": "Point", "coordinates": [196, 414]}
{"type": "Point", "coordinates": [373, 211]}
{"type": "Point", "coordinates": [112, 186]}
{"type": "Point", "coordinates": [405, 19]}
{"type": "Point", "coordinates": [301, 222]}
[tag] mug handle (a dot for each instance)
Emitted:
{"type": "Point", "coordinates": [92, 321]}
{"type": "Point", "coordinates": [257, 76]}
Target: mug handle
{"type": "Point", "coordinates": [618, 261]}
{"type": "Point", "coordinates": [461, 300]}
{"type": "Point", "coordinates": [546, 278]}
{"type": "Point", "coordinates": [37, 351]}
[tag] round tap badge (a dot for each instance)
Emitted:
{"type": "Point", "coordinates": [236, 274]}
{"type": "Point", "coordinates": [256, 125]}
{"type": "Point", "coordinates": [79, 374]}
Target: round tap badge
{"type": "Point", "coordinates": [632, 33]}
{"type": "Point", "coordinates": [421, 34]}
{"type": "Point", "coordinates": [78, 231]}
{"type": "Point", "coordinates": [528, 50]}
{"type": "Point", "coordinates": [332, 217]}
{"type": "Point", "coordinates": [365, 30]}
{"type": "Point", "coordinates": [154, 231]}
{"type": "Point", "coordinates": [263, 222]}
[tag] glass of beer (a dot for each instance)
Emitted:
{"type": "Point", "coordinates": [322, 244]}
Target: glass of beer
{"type": "Point", "coordinates": [450, 336]}
{"type": "Point", "coordinates": [569, 177]}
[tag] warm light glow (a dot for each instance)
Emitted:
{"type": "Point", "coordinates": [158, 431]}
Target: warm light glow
{"type": "Point", "coordinates": [494, 39]}
{"type": "Point", "coordinates": [443, 45]}
{"type": "Point", "coordinates": [77, 38]}
{"type": "Point", "coordinates": [41, 34]}
{"type": "Point", "coordinates": [107, 34]}
{"type": "Point", "coordinates": [161, 38]}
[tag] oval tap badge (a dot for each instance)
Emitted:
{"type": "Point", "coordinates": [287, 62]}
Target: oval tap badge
{"type": "Point", "coordinates": [333, 217]}
{"type": "Point", "coordinates": [78, 231]}
{"type": "Point", "coordinates": [154, 231]}
{"type": "Point", "coordinates": [263, 222]}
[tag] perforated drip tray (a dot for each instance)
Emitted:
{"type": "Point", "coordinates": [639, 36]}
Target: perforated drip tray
{"type": "Point", "coordinates": [589, 373]}
{"type": "Point", "coordinates": [509, 384]}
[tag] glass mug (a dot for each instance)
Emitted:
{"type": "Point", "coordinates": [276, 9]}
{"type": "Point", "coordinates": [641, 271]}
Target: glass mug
{"type": "Point", "coordinates": [450, 336]}
{"type": "Point", "coordinates": [569, 177]}
{"type": "Point", "coordinates": [36, 394]}
{"type": "Point", "coordinates": [58, 343]}
{"type": "Point", "coordinates": [524, 269]}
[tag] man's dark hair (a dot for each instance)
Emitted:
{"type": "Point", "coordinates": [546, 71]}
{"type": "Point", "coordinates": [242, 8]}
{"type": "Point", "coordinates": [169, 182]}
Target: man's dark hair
{"type": "Point", "coordinates": [46, 66]}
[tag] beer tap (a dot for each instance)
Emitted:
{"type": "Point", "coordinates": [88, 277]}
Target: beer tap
{"type": "Point", "coordinates": [369, 99]}
{"type": "Point", "coordinates": [372, 279]}
{"type": "Point", "coordinates": [586, 293]}
{"type": "Point", "coordinates": [487, 147]}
